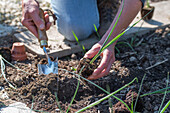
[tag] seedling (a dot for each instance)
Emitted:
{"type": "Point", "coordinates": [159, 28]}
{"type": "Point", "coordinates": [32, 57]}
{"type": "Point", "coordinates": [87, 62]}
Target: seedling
{"type": "Point", "coordinates": [165, 93]}
{"type": "Point", "coordinates": [165, 107]}
{"type": "Point", "coordinates": [147, 4]}
{"type": "Point", "coordinates": [105, 46]}
{"type": "Point", "coordinates": [82, 46]}
{"type": "Point", "coordinates": [97, 31]}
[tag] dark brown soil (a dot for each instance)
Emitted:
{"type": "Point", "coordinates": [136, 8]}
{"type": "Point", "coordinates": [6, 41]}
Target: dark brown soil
{"type": "Point", "coordinates": [131, 97]}
{"type": "Point", "coordinates": [6, 53]}
{"type": "Point", "coordinates": [149, 50]}
{"type": "Point", "coordinates": [85, 68]}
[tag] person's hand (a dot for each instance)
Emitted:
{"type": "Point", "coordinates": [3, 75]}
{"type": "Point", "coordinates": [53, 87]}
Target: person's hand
{"type": "Point", "coordinates": [30, 17]}
{"type": "Point", "coordinates": [108, 57]}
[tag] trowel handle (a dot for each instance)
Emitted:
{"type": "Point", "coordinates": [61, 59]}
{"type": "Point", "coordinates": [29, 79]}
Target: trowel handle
{"type": "Point", "coordinates": [42, 36]}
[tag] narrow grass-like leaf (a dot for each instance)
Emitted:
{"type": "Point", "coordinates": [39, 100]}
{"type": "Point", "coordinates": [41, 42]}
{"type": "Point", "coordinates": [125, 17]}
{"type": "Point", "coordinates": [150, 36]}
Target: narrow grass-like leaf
{"type": "Point", "coordinates": [106, 97]}
{"type": "Point", "coordinates": [82, 46]}
{"type": "Point", "coordinates": [109, 100]}
{"type": "Point", "coordinates": [161, 91]}
{"type": "Point", "coordinates": [109, 34]}
{"type": "Point", "coordinates": [96, 31]}
{"type": "Point", "coordinates": [165, 107]}
{"type": "Point", "coordinates": [74, 95]}
{"type": "Point", "coordinates": [32, 104]}
{"type": "Point", "coordinates": [164, 94]}
{"type": "Point", "coordinates": [78, 83]}
{"type": "Point", "coordinates": [114, 39]}
{"type": "Point", "coordinates": [13, 65]}
{"type": "Point", "coordinates": [127, 43]}
{"type": "Point", "coordinates": [132, 104]}
{"type": "Point", "coordinates": [58, 104]}
{"type": "Point", "coordinates": [3, 72]}
{"type": "Point", "coordinates": [104, 89]}
{"type": "Point", "coordinates": [139, 92]}
{"type": "Point", "coordinates": [117, 50]}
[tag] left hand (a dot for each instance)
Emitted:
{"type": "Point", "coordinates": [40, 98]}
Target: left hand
{"type": "Point", "coordinates": [108, 57]}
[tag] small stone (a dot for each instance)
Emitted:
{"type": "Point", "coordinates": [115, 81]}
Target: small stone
{"type": "Point", "coordinates": [155, 111]}
{"type": "Point", "coordinates": [168, 49]}
{"type": "Point", "coordinates": [18, 81]}
{"type": "Point", "coordinates": [123, 91]}
{"type": "Point", "coordinates": [168, 34]}
{"type": "Point", "coordinates": [4, 96]}
{"type": "Point", "coordinates": [73, 56]}
{"type": "Point", "coordinates": [57, 110]}
{"type": "Point", "coordinates": [104, 102]}
{"type": "Point", "coordinates": [133, 59]}
{"type": "Point", "coordinates": [155, 108]}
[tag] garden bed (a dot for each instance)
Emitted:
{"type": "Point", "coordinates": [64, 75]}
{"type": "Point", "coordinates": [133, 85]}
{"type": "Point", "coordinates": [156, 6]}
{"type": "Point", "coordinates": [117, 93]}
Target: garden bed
{"type": "Point", "coordinates": [148, 54]}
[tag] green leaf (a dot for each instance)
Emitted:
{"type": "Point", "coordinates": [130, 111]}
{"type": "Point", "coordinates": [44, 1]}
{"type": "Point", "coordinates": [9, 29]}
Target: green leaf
{"type": "Point", "coordinates": [165, 107]}
{"type": "Point", "coordinates": [114, 39]}
{"type": "Point", "coordinates": [81, 46]}
{"type": "Point", "coordinates": [100, 51]}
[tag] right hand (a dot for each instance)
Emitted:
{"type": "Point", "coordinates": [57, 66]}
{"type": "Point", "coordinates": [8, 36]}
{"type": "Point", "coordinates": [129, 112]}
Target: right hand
{"type": "Point", "coordinates": [31, 19]}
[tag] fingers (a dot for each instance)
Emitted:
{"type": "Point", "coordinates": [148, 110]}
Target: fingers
{"type": "Point", "coordinates": [48, 24]}
{"type": "Point", "coordinates": [93, 51]}
{"type": "Point", "coordinates": [32, 20]}
{"type": "Point", "coordinates": [30, 26]}
{"type": "Point", "coordinates": [37, 20]}
{"type": "Point", "coordinates": [33, 29]}
{"type": "Point", "coordinates": [104, 62]}
{"type": "Point", "coordinates": [103, 73]}
{"type": "Point", "coordinates": [105, 65]}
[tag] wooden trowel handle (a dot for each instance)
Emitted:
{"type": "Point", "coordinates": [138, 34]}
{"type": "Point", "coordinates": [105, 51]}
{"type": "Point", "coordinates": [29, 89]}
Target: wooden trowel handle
{"type": "Point", "coordinates": [42, 36]}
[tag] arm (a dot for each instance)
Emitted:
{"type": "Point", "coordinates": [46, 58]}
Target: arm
{"type": "Point", "coordinates": [131, 8]}
{"type": "Point", "coordinates": [30, 17]}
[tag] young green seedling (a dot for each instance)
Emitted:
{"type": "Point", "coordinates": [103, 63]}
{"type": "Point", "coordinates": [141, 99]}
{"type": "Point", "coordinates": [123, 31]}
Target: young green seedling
{"type": "Point", "coordinates": [165, 107]}
{"type": "Point", "coordinates": [104, 89]}
{"type": "Point", "coordinates": [96, 31]}
{"type": "Point", "coordinates": [147, 4]}
{"type": "Point", "coordinates": [116, 38]}
{"type": "Point", "coordinates": [165, 93]}
{"type": "Point", "coordinates": [82, 46]}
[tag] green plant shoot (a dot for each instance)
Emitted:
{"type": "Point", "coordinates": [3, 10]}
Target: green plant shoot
{"type": "Point", "coordinates": [100, 51]}
{"type": "Point", "coordinates": [147, 4]}
{"type": "Point", "coordinates": [82, 46]}
{"type": "Point", "coordinates": [96, 31]}
{"type": "Point", "coordinates": [106, 97]}
{"type": "Point", "coordinates": [114, 39]}
{"type": "Point", "coordinates": [165, 107]}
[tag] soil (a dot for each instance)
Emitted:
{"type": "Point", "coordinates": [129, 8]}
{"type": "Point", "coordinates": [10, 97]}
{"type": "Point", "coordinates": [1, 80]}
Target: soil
{"type": "Point", "coordinates": [148, 50]}
{"type": "Point", "coordinates": [6, 53]}
{"type": "Point", "coordinates": [150, 55]}
{"type": "Point", "coordinates": [85, 68]}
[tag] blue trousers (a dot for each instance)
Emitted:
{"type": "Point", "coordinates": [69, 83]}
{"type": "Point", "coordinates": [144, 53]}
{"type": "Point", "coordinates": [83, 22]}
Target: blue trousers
{"type": "Point", "coordinates": [76, 15]}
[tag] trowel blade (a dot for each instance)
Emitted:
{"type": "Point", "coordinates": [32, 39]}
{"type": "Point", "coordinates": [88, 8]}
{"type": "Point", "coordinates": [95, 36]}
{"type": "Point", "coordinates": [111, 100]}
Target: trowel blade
{"type": "Point", "coordinates": [47, 69]}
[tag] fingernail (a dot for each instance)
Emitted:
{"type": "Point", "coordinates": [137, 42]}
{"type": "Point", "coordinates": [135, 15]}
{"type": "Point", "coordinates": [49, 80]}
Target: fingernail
{"type": "Point", "coordinates": [42, 26]}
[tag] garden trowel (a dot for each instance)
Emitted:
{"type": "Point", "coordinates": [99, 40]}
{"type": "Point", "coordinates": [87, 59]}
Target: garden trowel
{"type": "Point", "coordinates": [52, 66]}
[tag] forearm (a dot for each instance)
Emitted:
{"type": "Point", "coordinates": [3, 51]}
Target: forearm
{"type": "Point", "coordinates": [130, 10]}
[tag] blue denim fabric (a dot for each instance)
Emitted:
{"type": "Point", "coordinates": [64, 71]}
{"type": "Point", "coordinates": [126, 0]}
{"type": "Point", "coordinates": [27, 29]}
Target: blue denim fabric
{"type": "Point", "coordinates": [143, 2]}
{"type": "Point", "coordinates": [76, 15]}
